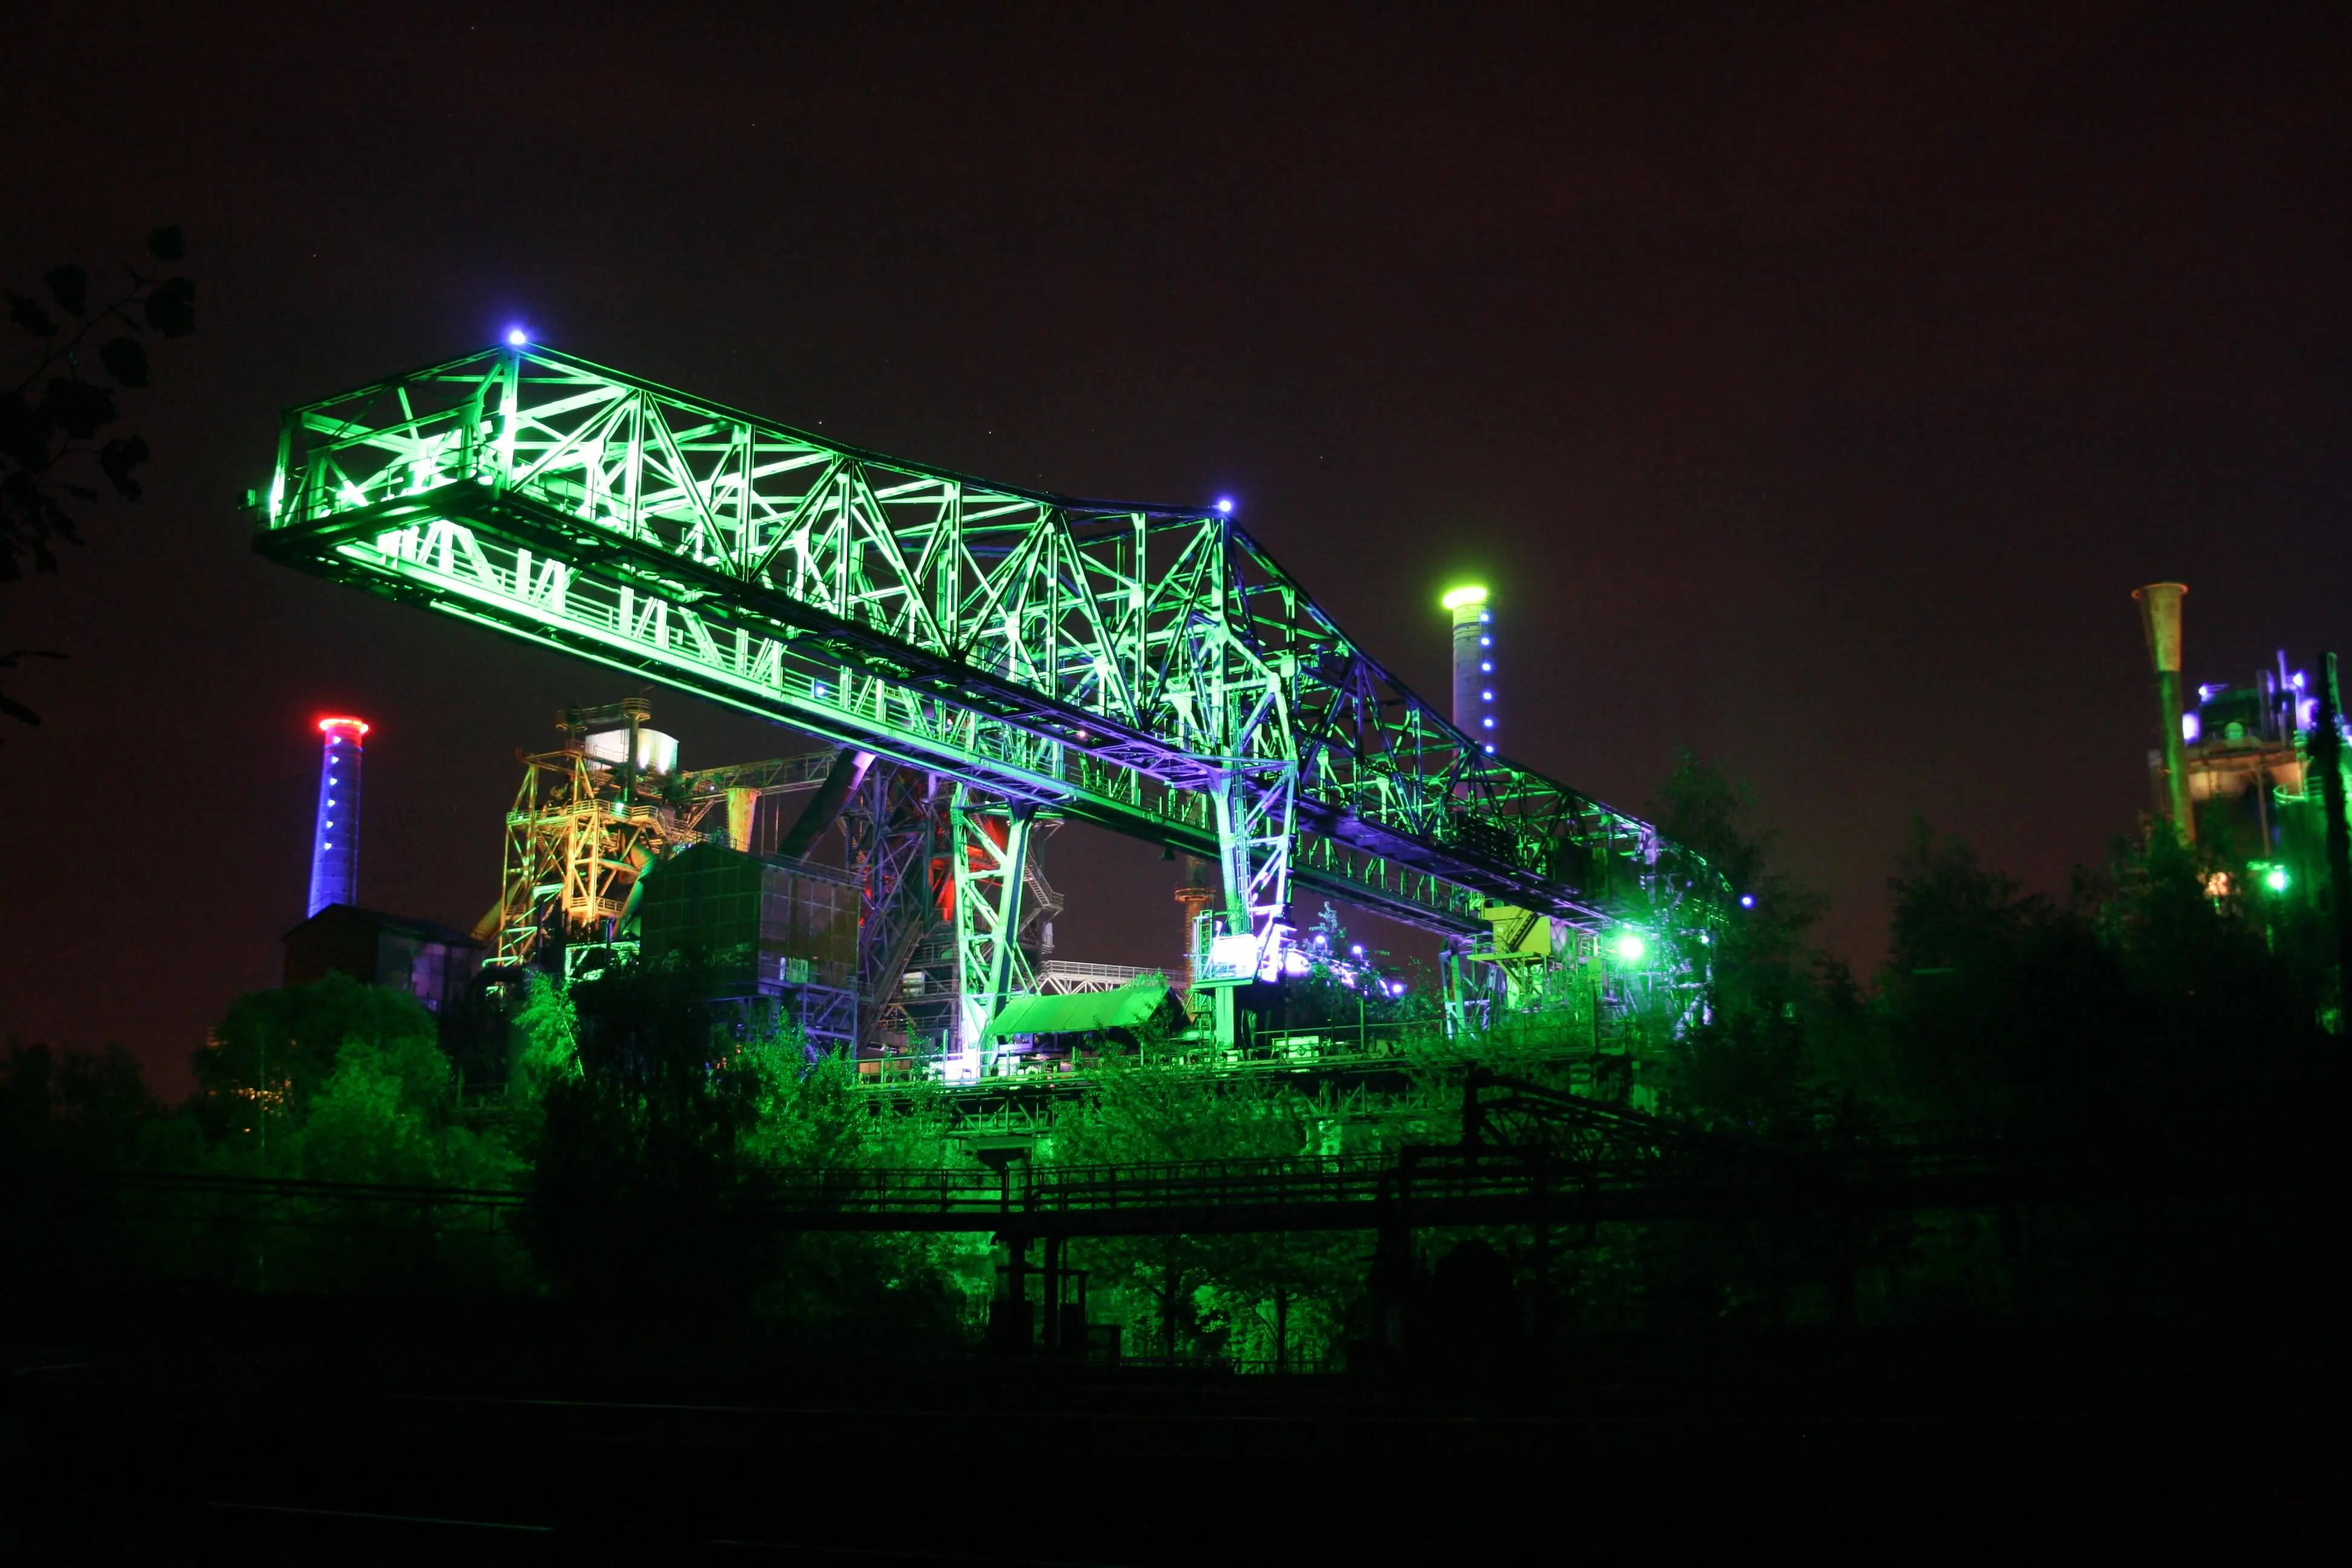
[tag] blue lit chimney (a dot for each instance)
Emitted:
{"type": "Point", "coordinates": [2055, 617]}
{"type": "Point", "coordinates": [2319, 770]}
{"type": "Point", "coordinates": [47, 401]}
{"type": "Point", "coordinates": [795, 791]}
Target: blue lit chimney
{"type": "Point", "coordinates": [335, 838]}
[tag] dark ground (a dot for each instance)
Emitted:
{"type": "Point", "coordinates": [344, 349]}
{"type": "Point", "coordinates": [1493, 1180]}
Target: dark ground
{"type": "Point", "coordinates": [235, 1430]}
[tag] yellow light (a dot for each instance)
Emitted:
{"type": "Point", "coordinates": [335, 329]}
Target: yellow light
{"type": "Point", "coordinates": [1463, 597]}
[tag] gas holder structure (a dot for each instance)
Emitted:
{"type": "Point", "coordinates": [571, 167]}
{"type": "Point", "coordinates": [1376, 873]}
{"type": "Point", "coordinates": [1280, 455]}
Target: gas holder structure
{"type": "Point", "coordinates": [1150, 668]}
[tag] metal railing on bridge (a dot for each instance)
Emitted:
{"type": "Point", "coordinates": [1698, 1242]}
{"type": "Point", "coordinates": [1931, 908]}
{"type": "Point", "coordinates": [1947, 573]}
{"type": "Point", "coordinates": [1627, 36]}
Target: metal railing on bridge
{"type": "Point", "coordinates": [1565, 1032]}
{"type": "Point", "coordinates": [1446, 1185]}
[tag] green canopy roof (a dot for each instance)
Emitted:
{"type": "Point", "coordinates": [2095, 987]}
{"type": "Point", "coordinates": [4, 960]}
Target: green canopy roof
{"type": "Point", "coordinates": [1082, 1012]}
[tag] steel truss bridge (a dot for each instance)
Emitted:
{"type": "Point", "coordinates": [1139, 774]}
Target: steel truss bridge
{"type": "Point", "coordinates": [1528, 1154]}
{"type": "Point", "coordinates": [1436, 1186]}
{"type": "Point", "coordinates": [1148, 669]}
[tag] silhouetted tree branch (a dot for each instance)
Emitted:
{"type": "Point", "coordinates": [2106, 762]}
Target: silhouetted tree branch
{"type": "Point", "coordinates": [54, 420]}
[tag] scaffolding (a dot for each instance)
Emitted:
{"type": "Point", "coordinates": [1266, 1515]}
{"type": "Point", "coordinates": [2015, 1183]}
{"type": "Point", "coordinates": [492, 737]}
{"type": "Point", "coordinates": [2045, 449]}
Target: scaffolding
{"type": "Point", "coordinates": [583, 828]}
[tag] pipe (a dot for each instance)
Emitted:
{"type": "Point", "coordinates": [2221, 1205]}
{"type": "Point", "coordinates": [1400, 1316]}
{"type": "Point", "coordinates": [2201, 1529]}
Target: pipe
{"type": "Point", "coordinates": [848, 769]}
{"type": "Point", "coordinates": [743, 806]}
{"type": "Point", "coordinates": [2159, 609]}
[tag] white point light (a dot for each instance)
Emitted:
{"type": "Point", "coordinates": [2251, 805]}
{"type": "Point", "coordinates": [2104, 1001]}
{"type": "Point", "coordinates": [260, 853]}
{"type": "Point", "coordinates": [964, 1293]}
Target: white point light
{"type": "Point", "coordinates": [517, 337]}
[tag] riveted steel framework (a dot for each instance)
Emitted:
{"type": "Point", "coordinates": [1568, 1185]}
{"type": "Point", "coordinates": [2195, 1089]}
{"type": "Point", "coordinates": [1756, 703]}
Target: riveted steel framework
{"type": "Point", "coordinates": [1151, 669]}
{"type": "Point", "coordinates": [990, 858]}
{"type": "Point", "coordinates": [575, 845]}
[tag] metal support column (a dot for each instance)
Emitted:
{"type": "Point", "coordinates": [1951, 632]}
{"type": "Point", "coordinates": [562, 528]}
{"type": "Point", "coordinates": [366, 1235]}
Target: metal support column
{"type": "Point", "coordinates": [988, 857]}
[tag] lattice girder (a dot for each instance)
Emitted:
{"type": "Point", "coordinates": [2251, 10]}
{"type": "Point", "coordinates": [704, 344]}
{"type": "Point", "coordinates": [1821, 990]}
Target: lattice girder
{"type": "Point", "coordinates": [1122, 663]}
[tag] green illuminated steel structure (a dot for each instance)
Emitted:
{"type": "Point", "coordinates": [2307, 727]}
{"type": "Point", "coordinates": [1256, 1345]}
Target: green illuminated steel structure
{"type": "Point", "coordinates": [1150, 668]}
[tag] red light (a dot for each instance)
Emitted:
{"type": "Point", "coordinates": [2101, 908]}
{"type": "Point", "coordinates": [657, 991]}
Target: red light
{"type": "Point", "coordinates": [327, 726]}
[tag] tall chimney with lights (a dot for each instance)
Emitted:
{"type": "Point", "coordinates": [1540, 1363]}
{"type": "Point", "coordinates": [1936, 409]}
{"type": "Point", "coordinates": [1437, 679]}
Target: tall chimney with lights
{"type": "Point", "coordinates": [1474, 663]}
{"type": "Point", "coordinates": [2159, 611]}
{"type": "Point", "coordinates": [335, 840]}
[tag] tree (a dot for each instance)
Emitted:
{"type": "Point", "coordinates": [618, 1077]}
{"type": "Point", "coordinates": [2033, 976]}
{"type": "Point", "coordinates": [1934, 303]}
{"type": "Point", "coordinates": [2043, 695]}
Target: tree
{"type": "Point", "coordinates": [68, 1123]}
{"type": "Point", "coordinates": [1254, 1296]}
{"type": "Point", "coordinates": [383, 1115]}
{"type": "Point", "coordinates": [53, 421]}
{"type": "Point", "coordinates": [1764, 950]}
{"type": "Point", "coordinates": [80, 1112]}
{"type": "Point", "coordinates": [274, 1050]}
{"type": "Point", "coordinates": [655, 1112]}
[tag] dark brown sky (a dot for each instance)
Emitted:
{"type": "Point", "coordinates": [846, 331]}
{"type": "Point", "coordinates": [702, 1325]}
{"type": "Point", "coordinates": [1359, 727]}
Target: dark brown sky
{"type": "Point", "coordinates": [1812, 383]}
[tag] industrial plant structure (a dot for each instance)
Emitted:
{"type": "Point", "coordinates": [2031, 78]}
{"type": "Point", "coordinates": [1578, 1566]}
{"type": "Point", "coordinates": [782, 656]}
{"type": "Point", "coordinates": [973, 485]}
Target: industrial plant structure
{"type": "Point", "coordinates": [426, 960]}
{"type": "Point", "coordinates": [984, 662]}
{"type": "Point", "coordinates": [2244, 772]}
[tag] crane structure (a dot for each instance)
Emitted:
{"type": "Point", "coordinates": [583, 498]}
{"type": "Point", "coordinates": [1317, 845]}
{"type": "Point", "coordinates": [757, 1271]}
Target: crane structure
{"type": "Point", "coordinates": [1151, 669]}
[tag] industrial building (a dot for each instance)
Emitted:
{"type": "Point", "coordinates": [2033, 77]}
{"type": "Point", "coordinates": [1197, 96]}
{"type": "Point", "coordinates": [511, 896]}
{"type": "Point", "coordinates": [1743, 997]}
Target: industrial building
{"type": "Point", "coordinates": [431, 962]}
{"type": "Point", "coordinates": [760, 927]}
{"type": "Point", "coordinates": [2238, 770]}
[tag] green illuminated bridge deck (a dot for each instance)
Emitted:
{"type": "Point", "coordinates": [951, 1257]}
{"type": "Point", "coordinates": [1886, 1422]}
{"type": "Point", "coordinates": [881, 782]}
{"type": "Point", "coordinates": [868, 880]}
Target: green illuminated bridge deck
{"type": "Point", "coordinates": [1150, 668]}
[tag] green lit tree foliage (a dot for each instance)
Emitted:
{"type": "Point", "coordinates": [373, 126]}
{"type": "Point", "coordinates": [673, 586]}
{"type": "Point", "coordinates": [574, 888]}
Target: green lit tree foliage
{"type": "Point", "coordinates": [1191, 1296]}
{"type": "Point", "coordinates": [385, 1114]}
{"type": "Point", "coordinates": [339, 1081]}
{"type": "Point", "coordinates": [274, 1050]}
{"type": "Point", "coordinates": [656, 1114]}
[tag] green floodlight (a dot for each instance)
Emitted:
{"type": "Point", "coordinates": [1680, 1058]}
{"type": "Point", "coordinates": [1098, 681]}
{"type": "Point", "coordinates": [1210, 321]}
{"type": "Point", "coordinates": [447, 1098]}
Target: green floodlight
{"type": "Point", "coordinates": [1467, 596]}
{"type": "Point", "coordinates": [1631, 946]}
{"type": "Point", "coordinates": [2275, 879]}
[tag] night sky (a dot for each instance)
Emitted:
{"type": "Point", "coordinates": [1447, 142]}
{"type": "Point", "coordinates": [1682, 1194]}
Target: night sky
{"type": "Point", "coordinates": [1811, 383]}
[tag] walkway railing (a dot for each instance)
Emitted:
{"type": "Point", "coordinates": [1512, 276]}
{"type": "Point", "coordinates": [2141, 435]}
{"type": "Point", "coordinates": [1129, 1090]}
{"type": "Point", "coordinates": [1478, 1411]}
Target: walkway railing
{"type": "Point", "coordinates": [1431, 1185]}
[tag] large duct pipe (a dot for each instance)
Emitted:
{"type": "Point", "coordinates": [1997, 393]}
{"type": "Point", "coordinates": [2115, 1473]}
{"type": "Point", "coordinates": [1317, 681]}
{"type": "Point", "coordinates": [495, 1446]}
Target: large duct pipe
{"type": "Point", "coordinates": [847, 772]}
{"type": "Point", "coordinates": [335, 835]}
{"type": "Point", "coordinates": [742, 818]}
{"type": "Point", "coordinates": [2159, 611]}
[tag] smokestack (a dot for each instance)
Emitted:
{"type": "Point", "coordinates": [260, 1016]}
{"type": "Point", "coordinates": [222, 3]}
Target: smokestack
{"type": "Point", "coordinates": [2159, 611]}
{"type": "Point", "coordinates": [1192, 895]}
{"type": "Point", "coordinates": [335, 836]}
{"type": "Point", "coordinates": [1473, 664]}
